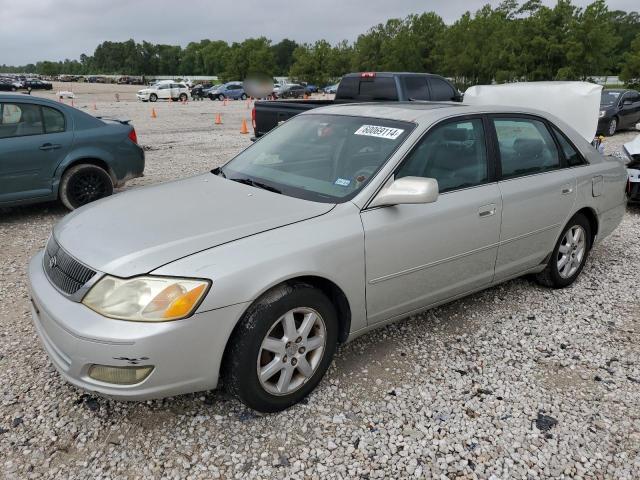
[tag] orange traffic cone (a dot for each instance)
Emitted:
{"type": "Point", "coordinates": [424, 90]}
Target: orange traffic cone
{"type": "Point", "coordinates": [219, 119]}
{"type": "Point", "coordinates": [243, 128]}
{"type": "Point", "coordinates": [153, 113]}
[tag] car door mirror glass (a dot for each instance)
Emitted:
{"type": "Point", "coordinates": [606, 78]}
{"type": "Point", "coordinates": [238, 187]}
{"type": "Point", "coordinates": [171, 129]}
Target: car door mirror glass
{"type": "Point", "coordinates": [408, 190]}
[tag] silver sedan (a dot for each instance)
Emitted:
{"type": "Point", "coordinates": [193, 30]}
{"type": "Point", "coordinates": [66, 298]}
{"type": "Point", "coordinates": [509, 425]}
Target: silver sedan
{"type": "Point", "coordinates": [339, 221]}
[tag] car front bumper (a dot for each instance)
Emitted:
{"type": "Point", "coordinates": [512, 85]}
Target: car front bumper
{"type": "Point", "coordinates": [142, 96]}
{"type": "Point", "coordinates": [186, 355]}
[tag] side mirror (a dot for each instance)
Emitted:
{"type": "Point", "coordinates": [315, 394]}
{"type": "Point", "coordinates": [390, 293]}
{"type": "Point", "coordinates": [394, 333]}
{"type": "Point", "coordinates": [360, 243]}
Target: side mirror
{"type": "Point", "coordinates": [408, 190]}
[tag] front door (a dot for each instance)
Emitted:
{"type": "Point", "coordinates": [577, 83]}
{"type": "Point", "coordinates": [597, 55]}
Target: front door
{"type": "Point", "coordinates": [418, 255]}
{"type": "Point", "coordinates": [34, 140]}
{"type": "Point", "coordinates": [538, 193]}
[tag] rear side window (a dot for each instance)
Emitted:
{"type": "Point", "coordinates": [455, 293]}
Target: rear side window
{"type": "Point", "coordinates": [53, 120]}
{"type": "Point", "coordinates": [416, 88]}
{"type": "Point", "coordinates": [20, 119]}
{"type": "Point", "coordinates": [570, 153]}
{"type": "Point", "coordinates": [441, 90]}
{"type": "Point", "coordinates": [526, 147]}
{"type": "Point", "coordinates": [377, 88]}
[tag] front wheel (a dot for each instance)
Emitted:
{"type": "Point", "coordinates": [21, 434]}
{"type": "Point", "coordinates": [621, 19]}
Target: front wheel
{"type": "Point", "coordinates": [84, 183]}
{"type": "Point", "coordinates": [569, 255]}
{"type": "Point", "coordinates": [612, 127]}
{"type": "Point", "coordinates": [282, 347]}
{"type": "Point", "coordinates": [220, 97]}
{"type": "Point", "coordinates": [153, 97]}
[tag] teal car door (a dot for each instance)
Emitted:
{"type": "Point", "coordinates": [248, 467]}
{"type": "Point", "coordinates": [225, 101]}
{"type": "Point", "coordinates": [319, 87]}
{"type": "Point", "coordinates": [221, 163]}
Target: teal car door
{"type": "Point", "coordinates": [34, 139]}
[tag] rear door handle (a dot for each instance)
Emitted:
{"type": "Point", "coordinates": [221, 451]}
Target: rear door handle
{"type": "Point", "coordinates": [49, 146]}
{"type": "Point", "coordinates": [487, 210]}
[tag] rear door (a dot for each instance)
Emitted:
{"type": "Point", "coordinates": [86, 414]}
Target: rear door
{"type": "Point", "coordinates": [415, 87]}
{"type": "Point", "coordinates": [34, 140]}
{"type": "Point", "coordinates": [441, 90]}
{"type": "Point", "coordinates": [538, 192]}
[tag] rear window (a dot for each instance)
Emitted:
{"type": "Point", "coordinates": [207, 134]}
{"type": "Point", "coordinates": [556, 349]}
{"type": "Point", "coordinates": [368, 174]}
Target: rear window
{"type": "Point", "coordinates": [377, 88]}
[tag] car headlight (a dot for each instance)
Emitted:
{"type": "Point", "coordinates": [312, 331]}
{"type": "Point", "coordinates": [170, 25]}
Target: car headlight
{"type": "Point", "coordinates": [602, 113]}
{"type": "Point", "coordinates": [146, 299]}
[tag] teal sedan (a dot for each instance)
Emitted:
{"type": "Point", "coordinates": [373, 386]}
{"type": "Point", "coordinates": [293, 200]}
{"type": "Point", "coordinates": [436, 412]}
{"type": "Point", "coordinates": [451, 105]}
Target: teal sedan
{"type": "Point", "coordinates": [49, 151]}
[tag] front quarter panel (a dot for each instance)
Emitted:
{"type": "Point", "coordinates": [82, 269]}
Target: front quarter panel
{"type": "Point", "coordinates": [330, 246]}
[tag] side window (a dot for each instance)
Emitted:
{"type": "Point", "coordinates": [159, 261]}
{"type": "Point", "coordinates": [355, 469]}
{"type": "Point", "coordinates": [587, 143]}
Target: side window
{"type": "Point", "coordinates": [455, 154]}
{"type": "Point", "coordinates": [440, 89]}
{"type": "Point", "coordinates": [53, 120]}
{"type": "Point", "coordinates": [19, 120]}
{"type": "Point", "coordinates": [416, 88]}
{"type": "Point", "coordinates": [570, 153]}
{"type": "Point", "coordinates": [526, 147]}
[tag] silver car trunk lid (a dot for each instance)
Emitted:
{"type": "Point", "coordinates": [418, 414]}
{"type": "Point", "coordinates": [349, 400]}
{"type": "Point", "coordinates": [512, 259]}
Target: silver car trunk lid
{"type": "Point", "coordinates": [139, 230]}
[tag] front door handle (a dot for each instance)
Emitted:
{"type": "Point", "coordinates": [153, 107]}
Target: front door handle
{"type": "Point", "coordinates": [49, 146]}
{"type": "Point", "coordinates": [567, 189]}
{"type": "Point", "coordinates": [487, 210]}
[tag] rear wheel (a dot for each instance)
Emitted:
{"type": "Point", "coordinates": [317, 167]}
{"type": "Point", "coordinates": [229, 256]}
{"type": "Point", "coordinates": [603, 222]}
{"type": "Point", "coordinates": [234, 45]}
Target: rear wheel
{"type": "Point", "coordinates": [244, 96]}
{"type": "Point", "coordinates": [282, 347]}
{"type": "Point", "coordinates": [183, 97]}
{"type": "Point", "coordinates": [569, 255]}
{"type": "Point", "coordinates": [84, 183]}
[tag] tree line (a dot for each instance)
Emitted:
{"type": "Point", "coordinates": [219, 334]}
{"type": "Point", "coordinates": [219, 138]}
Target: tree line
{"type": "Point", "coordinates": [512, 42]}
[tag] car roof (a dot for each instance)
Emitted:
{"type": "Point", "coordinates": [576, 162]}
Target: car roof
{"type": "Point", "coordinates": [419, 111]}
{"type": "Point", "coordinates": [25, 97]}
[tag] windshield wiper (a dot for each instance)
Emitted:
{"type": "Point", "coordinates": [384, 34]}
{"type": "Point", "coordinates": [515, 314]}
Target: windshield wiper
{"type": "Point", "coordinates": [253, 183]}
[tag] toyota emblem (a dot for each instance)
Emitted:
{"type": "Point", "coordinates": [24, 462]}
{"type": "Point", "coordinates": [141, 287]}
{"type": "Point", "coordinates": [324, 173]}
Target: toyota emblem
{"type": "Point", "coordinates": [53, 261]}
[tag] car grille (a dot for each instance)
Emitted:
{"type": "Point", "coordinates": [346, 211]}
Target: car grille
{"type": "Point", "coordinates": [64, 271]}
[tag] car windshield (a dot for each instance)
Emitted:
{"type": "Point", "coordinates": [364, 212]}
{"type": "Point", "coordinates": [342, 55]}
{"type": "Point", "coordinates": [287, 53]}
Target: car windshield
{"type": "Point", "coordinates": [609, 98]}
{"type": "Point", "coordinates": [323, 158]}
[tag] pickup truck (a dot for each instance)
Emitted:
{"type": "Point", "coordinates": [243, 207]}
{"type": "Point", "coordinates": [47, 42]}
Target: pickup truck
{"type": "Point", "coordinates": [357, 88]}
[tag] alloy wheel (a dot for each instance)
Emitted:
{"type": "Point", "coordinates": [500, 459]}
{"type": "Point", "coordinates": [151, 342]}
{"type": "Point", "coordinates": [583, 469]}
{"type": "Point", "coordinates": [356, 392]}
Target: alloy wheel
{"type": "Point", "coordinates": [86, 187]}
{"type": "Point", "coordinates": [613, 126]}
{"type": "Point", "coordinates": [571, 251]}
{"type": "Point", "coordinates": [291, 351]}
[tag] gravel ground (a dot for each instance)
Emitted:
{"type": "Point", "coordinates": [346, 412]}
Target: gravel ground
{"type": "Point", "coordinates": [514, 382]}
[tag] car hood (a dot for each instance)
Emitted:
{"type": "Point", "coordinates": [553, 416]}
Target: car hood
{"type": "Point", "coordinates": [140, 230]}
{"type": "Point", "coordinates": [146, 90]}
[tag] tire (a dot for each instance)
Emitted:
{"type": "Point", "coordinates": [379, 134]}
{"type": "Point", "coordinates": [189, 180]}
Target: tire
{"type": "Point", "coordinates": [567, 259]}
{"type": "Point", "coordinates": [182, 97]}
{"type": "Point", "coordinates": [84, 183]}
{"type": "Point", "coordinates": [153, 97]}
{"type": "Point", "coordinates": [244, 96]}
{"type": "Point", "coordinates": [14, 89]}
{"type": "Point", "coordinates": [266, 318]}
{"type": "Point", "coordinates": [211, 97]}
{"type": "Point", "coordinates": [612, 126]}
{"type": "Point", "coordinates": [220, 97]}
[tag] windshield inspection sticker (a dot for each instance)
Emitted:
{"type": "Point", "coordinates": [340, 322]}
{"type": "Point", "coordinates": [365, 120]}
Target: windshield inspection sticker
{"type": "Point", "coordinates": [380, 132]}
{"type": "Point", "coordinates": [343, 182]}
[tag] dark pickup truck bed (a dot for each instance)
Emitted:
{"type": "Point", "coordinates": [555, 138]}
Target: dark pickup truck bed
{"type": "Point", "coordinates": [359, 87]}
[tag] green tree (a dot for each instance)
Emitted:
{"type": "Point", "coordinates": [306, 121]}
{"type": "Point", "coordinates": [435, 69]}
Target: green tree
{"type": "Point", "coordinates": [251, 57]}
{"type": "Point", "coordinates": [283, 55]}
{"type": "Point", "coordinates": [631, 70]}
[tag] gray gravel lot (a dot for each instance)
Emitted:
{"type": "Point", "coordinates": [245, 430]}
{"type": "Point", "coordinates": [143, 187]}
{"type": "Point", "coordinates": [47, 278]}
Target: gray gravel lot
{"type": "Point", "coordinates": [514, 382]}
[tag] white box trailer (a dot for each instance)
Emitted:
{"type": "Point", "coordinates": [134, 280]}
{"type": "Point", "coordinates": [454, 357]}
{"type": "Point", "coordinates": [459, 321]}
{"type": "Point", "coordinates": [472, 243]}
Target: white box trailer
{"type": "Point", "coordinates": [576, 103]}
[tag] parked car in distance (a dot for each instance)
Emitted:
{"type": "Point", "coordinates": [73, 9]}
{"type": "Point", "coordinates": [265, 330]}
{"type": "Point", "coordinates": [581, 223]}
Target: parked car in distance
{"type": "Point", "coordinates": [262, 290]}
{"type": "Point", "coordinates": [619, 109]}
{"type": "Point", "coordinates": [359, 87]}
{"type": "Point", "coordinates": [49, 151]}
{"type": "Point", "coordinates": [308, 88]}
{"type": "Point", "coordinates": [36, 84]}
{"type": "Point", "coordinates": [8, 86]}
{"type": "Point", "coordinates": [164, 91]}
{"type": "Point", "coordinates": [331, 88]}
{"type": "Point", "coordinates": [233, 90]}
{"type": "Point", "coordinates": [292, 91]}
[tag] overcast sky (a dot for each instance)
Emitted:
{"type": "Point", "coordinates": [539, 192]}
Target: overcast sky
{"type": "Point", "coordinates": [32, 30]}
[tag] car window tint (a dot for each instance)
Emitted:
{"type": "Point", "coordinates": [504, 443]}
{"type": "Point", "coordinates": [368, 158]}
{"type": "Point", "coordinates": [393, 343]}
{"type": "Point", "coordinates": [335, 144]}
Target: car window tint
{"type": "Point", "coordinates": [20, 120]}
{"type": "Point", "coordinates": [53, 120]}
{"type": "Point", "coordinates": [526, 147]}
{"type": "Point", "coordinates": [416, 88]}
{"type": "Point", "coordinates": [570, 153]}
{"type": "Point", "coordinates": [454, 154]}
{"type": "Point", "coordinates": [441, 90]}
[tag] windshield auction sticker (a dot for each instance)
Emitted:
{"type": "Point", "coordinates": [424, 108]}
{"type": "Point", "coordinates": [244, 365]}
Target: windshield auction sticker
{"type": "Point", "coordinates": [380, 132]}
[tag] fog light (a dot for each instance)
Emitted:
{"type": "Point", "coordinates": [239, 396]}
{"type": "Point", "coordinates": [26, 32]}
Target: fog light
{"type": "Point", "coordinates": [119, 375]}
